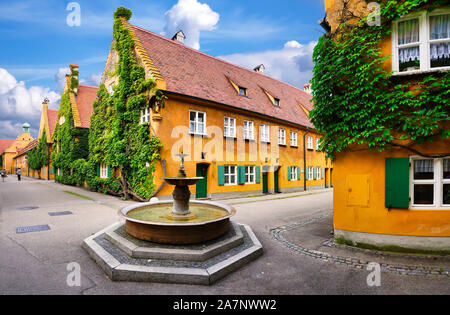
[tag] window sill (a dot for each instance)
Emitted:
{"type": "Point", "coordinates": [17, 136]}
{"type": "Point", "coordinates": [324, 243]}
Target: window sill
{"type": "Point", "coordinates": [294, 146]}
{"type": "Point", "coordinates": [250, 140]}
{"type": "Point", "coordinates": [282, 145]}
{"type": "Point", "coordinates": [231, 138]}
{"type": "Point", "coordinates": [266, 142]}
{"type": "Point", "coordinates": [199, 134]}
{"type": "Point", "coordinates": [419, 72]}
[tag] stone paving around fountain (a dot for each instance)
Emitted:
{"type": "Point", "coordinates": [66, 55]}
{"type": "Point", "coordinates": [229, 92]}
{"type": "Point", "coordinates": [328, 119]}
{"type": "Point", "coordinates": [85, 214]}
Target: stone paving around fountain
{"type": "Point", "coordinates": [124, 258]}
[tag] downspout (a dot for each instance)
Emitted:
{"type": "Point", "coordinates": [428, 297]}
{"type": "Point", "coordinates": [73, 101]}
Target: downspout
{"type": "Point", "coordinates": [48, 162]}
{"type": "Point", "coordinates": [304, 157]}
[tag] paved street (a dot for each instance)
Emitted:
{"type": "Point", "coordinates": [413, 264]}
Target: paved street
{"type": "Point", "coordinates": [35, 263]}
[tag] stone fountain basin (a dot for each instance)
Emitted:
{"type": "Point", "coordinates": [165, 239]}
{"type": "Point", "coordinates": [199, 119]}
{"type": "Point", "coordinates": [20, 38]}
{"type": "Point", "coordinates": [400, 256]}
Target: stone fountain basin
{"type": "Point", "coordinates": [182, 181]}
{"type": "Point", "coordinates": [177, 232]}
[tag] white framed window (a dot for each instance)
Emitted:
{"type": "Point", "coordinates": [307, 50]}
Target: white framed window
{"type": "Point", "coordinates": [264, 131]}
{"type": "Point", "coordinates": [310, 143]}
{"type": "Point", "coordinates": [242, 91]}
{"type": "Point", "coordinates": [103, 171]}
{"type": "Point", "coordinates": [310, 173]}
{"type": "Point", "coordinates": [430, 183]}
{"type": "Point", "coordinates": [318, 171]}
{"type": "Point", "coordinates": [250, 175]}
{"type": "Point", "coordinates": [276, 102]}
{"type": "Point", "coordinates": [197, 122]}
{"type": "Point", "coordinates": [249, 130]}
{"type": "Point", "coordinates": [317, 144]}
{"type": "Point", "coordinates": [230, 174]}
{"type": "Point", "coordinates": [294, 142]}
{"type": "Point", "coordinates": [145, 115]}
{"type": "Point", "coordinates": [111, 89]}
{"type": "Point", "coordinates": [294, 173]}
{"type": "Point", "coordinates": [421, 42]}
{"type": "Point", "coordinates": [230, 127]}
{"type": "Point", "coordinates": [281, 137]}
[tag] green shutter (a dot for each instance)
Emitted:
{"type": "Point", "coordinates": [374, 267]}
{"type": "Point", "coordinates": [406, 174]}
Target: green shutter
{"type": "Point", "coordinates": [52, 170]}
{"type": "Point", "coordinates": [109, 171]}
{"type": "Point", "coordinates": [289, 173]}
{"type": "Point", "coordinates": [98, 170]}
{"type": "Point", "coordinates": [307, 173]}
{"type": "Point", "coordinates": [397, 183]}
{"type": "Point", "coordinates": [221, 174]}
{"type": "Point", "coordinates": [321, 172]}
{"type": "Point", "coordinates": [299, 171]}
{"type": "Point", "coordinates": [241, 175]}
{"type": "Point", "coordinates": [315, 173]}
{"type": "Point", "coordinates": [258, 174]}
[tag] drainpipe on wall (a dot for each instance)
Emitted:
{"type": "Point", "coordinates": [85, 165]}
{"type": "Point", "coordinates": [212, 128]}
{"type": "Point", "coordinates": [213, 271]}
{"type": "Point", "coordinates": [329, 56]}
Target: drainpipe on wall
{"type": "Point", "coordinates": [48, 164]}
{"type": "Point", "coordinates": [304, 158]}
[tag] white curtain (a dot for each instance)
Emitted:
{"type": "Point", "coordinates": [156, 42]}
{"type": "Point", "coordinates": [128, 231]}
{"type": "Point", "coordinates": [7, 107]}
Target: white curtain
{"type": "Point", "coordinates": [440, 29]}
{"type": "Point", "coordinates": [408, 32]}
{"type": "Point", "coordinates": [424, 166]}
{"type": "Point", "coordinates": [446, 165]}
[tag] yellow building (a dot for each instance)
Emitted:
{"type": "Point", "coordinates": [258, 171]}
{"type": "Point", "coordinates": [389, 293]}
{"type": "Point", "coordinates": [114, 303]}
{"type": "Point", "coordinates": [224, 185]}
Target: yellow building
{"type": "Point", "coordinates": [47, 124]}
{"type": "Point", "coordinates": [244, 132]}
{"type": "Point", "coordinates": [9, 148]}
{"type": "Point", "coordinates": [397, 200]}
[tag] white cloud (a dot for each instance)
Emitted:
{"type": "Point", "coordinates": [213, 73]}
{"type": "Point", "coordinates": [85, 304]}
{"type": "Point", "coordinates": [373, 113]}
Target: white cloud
{"type": "Point", "coordinates": [192, 17]}
{"type": "Point", "coordinates": [19, 104]}
{"type": "Point", "coordinates": [60, 78]}
{"type": "Point", "coordinates": [292, 64]}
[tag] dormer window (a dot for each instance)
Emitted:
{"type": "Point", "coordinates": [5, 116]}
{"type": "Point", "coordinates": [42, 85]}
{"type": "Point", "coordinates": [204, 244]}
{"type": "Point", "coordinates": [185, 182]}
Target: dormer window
{"type": "Point", "coordinates": [242, 91]}
{"type": "Point", "coordinates": [276, 102]}
{"type": "Point", "coordinates": [421, 42]}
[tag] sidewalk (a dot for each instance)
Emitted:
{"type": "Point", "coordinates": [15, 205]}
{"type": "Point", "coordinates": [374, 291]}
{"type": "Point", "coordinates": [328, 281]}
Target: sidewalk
{"type": "Point", "coordinates": [262, 198]}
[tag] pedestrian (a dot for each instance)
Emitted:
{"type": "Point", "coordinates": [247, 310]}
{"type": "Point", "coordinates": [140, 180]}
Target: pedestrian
{"type": "Point", "coordinates": [3, 174]}
{"type": "Point", "coordinates": [19, 173]}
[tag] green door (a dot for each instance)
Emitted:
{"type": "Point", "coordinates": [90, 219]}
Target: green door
{"type": "Point", "coordinates": [202, 185]}
{"type": "Point", "coordinates": [275, 181]}
{"type": "Point", "coordinates": [265, 183]}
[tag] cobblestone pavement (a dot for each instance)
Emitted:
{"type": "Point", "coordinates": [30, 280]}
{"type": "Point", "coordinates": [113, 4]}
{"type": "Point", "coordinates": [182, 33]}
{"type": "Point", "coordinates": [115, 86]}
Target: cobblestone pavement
{"type": "Point", "coordinates": [278, 234]}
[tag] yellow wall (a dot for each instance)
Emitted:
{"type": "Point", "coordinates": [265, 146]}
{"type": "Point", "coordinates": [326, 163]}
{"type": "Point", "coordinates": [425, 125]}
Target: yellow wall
{"type": "Point", "coordinates": [9, 154]}
{"type": "Point", "coordinates": [176, 113]}
{"type": "Point", "coordinates": [359, 196]}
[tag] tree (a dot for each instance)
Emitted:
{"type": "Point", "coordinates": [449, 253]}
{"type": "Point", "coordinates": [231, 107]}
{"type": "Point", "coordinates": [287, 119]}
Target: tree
{"type": "Point", "coordinates": [38, 157]}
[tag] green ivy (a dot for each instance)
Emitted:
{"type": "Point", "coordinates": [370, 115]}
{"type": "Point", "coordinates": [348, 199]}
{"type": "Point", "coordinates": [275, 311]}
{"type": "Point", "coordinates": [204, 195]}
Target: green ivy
{"type": "Point", "coordinates": [116, 138]}
{"type": "Point", "coordinates": [38, 157]}
{"type": "Point", "coordinates": [70, 144]}
{"type": "Point", "coordinates": [358, 102]}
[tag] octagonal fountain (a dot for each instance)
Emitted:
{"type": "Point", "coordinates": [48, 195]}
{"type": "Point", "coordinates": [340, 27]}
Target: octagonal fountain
{"type": "Point", "coordinates": [179, 241]}
{"type": "Point", "coordinates": [181, 221]}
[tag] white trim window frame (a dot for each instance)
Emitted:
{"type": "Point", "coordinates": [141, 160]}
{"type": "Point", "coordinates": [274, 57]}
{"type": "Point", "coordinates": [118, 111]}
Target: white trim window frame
{"type": "Point", "coordinates": [310, 143]}
{"type": "Point", "coordinates": [439, 168]}
{"type": "Point", "coordinates": [145, 116]}
{"type": "Point", "coordinates": [317, 144]}
{"type": "Point", "coordinates": [229, 127]}
{"type": "Point", "coordinates": [230, 175]}
{"type": "Point", "coordinates": [310, 173]}
{"type": "Point", "coordinates": [424, 42]}
{"type": "Point", "coordinates": [294, 173]}
{"type": "Point", "coordinates": [197, 126]}
{"type": "Point", "coordinates": [281, 137]}
{"type": "Point", "coordinates": [264, 131]}
{"type": "Point", "coordinates": [103, 171]}
{"type": "Point", "coordinates": [293, 140]}
{"type": "Point", "coordinates": [250, 175]}
{"type": "Point", "coordinates": [249, 130]}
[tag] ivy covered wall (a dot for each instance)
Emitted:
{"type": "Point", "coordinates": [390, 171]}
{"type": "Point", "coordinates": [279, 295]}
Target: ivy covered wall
{"type": "Point", "coordinates": [358, 102]}
{"type": "Point", "coordinates": [117, 139]}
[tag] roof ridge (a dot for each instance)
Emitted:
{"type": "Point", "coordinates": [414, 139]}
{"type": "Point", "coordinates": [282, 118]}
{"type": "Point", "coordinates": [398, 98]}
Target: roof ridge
{"type": "Point", "coordinates": [216, 58]}
{"type": "Point", "coordinates": [89, 86]}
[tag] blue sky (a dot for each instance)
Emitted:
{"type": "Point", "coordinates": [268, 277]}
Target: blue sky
{"type": "Point", "coordinates": [37, 44]}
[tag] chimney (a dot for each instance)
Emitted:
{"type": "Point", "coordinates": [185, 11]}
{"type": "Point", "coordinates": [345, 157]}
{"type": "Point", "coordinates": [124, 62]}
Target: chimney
{"type": "Point", "coordinates": [179, 37]}
{"type": "Point", "coordinates": [260, 68]}
{"type": "Point", "coordinates": [307, 88]}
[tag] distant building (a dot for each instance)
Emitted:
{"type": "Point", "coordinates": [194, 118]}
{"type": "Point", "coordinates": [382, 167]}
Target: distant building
{"type": "Point", "coordinates": [9, 148]}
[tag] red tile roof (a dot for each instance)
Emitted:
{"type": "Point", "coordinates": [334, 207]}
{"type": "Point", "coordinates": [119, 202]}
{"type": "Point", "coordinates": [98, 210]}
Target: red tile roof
{"type": "Point", "coordinates": [52, 115]}
{"type": "Point", "coordinates": [85, 99]}
{"type": "Point", "coordinates": [5, 144]}
{"type": "Point", "coordinates": [30, 146]}
{"type": "Point", "coordinates": [193, 73]}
